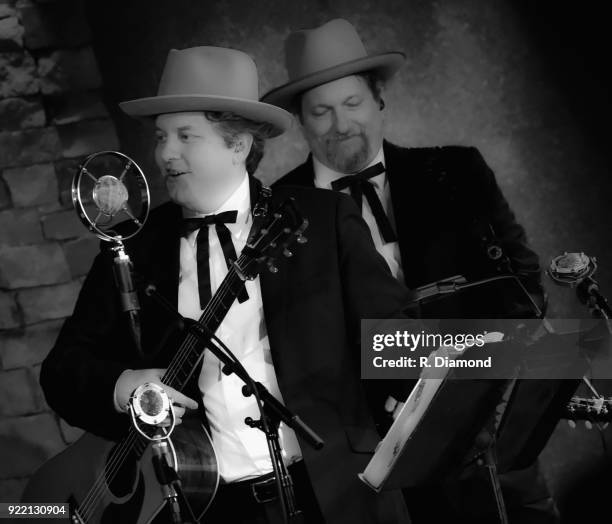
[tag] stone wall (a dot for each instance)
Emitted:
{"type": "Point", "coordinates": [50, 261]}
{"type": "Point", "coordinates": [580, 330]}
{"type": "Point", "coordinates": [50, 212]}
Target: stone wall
{"type": "Point", "coordinates": [51, 115]}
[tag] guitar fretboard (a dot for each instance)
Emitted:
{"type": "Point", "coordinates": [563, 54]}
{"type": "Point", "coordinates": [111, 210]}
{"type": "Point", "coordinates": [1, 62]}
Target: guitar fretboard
{"type": "Point", "coordinates": [187, 357]}
{"type": "Point", "coordinates": [191, 350]}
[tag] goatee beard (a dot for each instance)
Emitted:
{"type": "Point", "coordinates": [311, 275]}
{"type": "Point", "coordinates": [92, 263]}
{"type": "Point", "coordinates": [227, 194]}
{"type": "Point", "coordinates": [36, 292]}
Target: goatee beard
{"type": "Point", "coordinates": [350, 163]}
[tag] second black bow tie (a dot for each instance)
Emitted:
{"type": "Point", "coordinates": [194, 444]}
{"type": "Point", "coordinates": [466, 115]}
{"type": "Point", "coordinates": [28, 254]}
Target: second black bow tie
{"type": "Point", "coordinates": [202, 257]}
{"type": "Point", "coordinates": [360, 185]}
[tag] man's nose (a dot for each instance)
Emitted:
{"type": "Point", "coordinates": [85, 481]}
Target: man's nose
{"type": "Point", "coordinates": [167, 150]}
{"type": "Point", "coordinates": [341, 122]}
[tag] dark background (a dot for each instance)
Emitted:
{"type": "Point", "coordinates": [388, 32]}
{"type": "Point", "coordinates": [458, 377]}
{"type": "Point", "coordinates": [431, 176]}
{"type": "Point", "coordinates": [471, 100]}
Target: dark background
{"type": "Point", "coordinates": [525, 82]}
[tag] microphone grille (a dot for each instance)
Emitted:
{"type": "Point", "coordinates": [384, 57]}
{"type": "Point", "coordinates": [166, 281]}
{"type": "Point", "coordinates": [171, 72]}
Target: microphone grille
{"type": "Point", "coordinates": [572, 263]}
{"type": "Point", "coordinates": [151, 402]}
{"type": "Point", "coordinates": [110, 195]}
{"type": "Point", "coordinates": [571, 268]}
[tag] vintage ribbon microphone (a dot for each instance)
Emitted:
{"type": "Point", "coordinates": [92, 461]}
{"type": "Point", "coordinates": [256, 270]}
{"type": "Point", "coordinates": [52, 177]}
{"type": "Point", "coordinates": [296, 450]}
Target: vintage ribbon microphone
{"type": "Point", "coordinates": [576, 270]}
{"type": "Point", "coordinates": [108, 189]}
{"type": "Point", "coordinates": [102, 201]}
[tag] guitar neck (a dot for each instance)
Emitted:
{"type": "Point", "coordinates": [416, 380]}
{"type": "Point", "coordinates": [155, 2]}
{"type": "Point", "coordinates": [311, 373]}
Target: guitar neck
{"type": "Point", "coordinates": [188, 355]}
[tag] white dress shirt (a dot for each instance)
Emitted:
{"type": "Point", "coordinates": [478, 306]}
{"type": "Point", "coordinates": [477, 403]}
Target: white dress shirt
{"type": "Point", "coordinates": [242, 452]}
{"type": "Point", "coordinates": [324, 176]}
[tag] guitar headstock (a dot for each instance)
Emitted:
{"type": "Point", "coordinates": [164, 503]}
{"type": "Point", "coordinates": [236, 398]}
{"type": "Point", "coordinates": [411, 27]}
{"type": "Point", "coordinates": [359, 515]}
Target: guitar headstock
{"type": "Point", "coordinates": [589, 409]}
{"type": "Point", "coordinates": [284, 227]}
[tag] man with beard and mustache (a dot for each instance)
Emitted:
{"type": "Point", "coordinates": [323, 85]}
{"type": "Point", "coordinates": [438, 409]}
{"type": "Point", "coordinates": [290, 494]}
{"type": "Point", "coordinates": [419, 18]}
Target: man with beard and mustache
{"type": "Point", "coordinates": [434, 213]}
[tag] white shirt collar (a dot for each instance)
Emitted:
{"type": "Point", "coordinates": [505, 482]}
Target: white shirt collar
{"type": "Point", "coordinates": [324, 175]}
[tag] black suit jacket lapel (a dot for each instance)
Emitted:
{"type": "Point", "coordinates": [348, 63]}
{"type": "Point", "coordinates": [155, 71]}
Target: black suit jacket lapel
{"type": "Point", "coordinates": [273, 286]}
{"type": "Point", "coordinates": [406, 172]}
{"type": "Point", "coordinates": [155, 253]}
{"type": "Point", "coordinates": [303, 175]}
{"type": "Point", "coordinates": [274, 294]}
{"type": "Point", "coordinates": [165, 266]}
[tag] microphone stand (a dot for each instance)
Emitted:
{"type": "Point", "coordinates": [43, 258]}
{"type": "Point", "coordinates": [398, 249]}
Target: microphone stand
{"type": "Point", "coordinates": [122, 271]}
{"type": "Point", "coordinates": [272, 412]}
{"type": "Point", "coordinates": [587, 290]}
{"type": "Point", "coordinates": [170, 483]}
{"type": "Point", "coordinates": [588, 293]}
{"type": "Point", "coordinates": [485, 443]}
{"type": "Point", "coordinates": [167, 476]}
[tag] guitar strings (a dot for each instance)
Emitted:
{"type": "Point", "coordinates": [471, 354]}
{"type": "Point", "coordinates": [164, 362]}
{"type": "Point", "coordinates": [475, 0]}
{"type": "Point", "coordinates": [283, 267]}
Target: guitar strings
{"type": "Point", "coordinates": [118, 457]}
{"type": "Point", "coordinates": [117, 460]}
{"type": "Point", "coordinates": [121, 452]}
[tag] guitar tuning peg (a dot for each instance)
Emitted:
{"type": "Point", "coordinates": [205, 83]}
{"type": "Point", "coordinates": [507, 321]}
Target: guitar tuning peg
{"type": "Point", "coordinates": [571, 423]}
{"type": "Point", "coordinates": [271, 267]}
{"type": "Point", "coordinates": [287, 253]}
{"type": "Point", "coordinates": [301, 239]}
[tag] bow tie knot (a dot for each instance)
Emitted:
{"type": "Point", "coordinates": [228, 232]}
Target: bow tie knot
{"type": "Point", "coordinates": [201, 224]}
{"type": "Point", "coordinates": [196, 223]}
{"type": "Point", "coordinates": [361, 176]}
{"type": "Point", "coordinates": [359, 185]}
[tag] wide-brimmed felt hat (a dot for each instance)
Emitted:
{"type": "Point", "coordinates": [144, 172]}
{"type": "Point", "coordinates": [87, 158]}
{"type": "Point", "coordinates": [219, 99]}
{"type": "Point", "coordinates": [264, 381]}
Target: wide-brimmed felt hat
{"type": "Point", "coordinates": [210, 78]}
{"type": "Point", "coordinates": [331, 51]}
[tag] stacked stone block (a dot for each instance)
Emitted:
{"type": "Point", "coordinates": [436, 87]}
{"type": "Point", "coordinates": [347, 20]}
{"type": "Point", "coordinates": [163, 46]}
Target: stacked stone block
{"type": "Point", "coordinates": [51, 116]}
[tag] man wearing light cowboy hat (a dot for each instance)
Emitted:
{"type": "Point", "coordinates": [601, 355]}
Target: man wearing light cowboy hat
{"type": "Point", "coordinates": [434, 213]}
{"type": "Point", "coordinates": [210, 132]}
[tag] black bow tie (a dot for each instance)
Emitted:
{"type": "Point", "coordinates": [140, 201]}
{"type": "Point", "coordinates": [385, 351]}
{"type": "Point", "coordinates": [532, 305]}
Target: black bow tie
{"type": "Point", "coordinates": [225, 239]}
{"type": "Point", "coordinates": [359, 185]}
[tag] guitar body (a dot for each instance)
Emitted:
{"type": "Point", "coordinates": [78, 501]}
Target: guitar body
{"type": "Point", "coordinates": [80, 476]}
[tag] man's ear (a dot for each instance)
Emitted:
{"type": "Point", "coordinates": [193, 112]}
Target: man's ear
{"type": "Point", "coordinates": [380, 90]}
{"type": "Point", "coordinates": [242, 145]}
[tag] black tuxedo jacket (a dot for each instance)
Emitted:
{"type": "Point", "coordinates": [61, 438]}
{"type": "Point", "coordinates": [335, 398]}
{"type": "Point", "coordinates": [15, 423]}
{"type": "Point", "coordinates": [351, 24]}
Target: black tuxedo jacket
{"type": "Point", "coordinates": [450, 215]}
{"type": "Point", "coordinates": [312, 308]}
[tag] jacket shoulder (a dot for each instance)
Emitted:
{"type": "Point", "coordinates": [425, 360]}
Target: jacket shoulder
{"type": "Point", "coordinates": [162, 220]}
{"type": "Point", "coordinates": [457, 168]}
{"type": "Point", "coordinates": [159, 215]}
{"type": "Point", "coordinates": [438, 154]}
{"type": "Point", "coordinates": [301, 175]}
{"type": "Point", "coordinates": [310, 196]}
{"type": "Point", "coordinates": [163, 213]}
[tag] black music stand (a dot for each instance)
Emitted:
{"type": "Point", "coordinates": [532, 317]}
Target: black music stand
{"type": "Point", "coordinates": [448, 427]}
{"type": "Point", "coordinates": [535, 406]}
{"type": "Point", "coordinates": [462, 424]}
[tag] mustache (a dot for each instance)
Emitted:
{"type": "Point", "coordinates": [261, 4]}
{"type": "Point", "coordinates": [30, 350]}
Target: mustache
{"type": "Point", "coordinates": [335, 138]}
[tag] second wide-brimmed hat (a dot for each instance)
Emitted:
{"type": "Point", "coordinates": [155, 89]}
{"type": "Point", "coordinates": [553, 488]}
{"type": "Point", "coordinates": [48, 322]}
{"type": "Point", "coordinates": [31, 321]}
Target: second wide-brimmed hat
{"type": "Point", "coordinates": [326, 53]}
{"type": "Point", "coordinates": [210, 78]}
